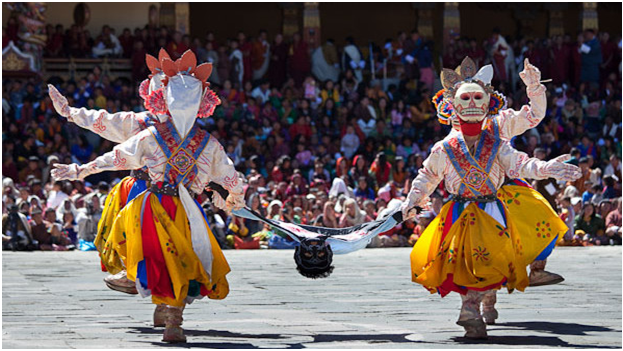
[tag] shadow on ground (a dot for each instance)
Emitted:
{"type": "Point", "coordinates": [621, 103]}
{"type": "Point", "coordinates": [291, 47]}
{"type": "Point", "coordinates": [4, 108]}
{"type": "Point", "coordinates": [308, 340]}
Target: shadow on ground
{"type": "Point", "coordinates": [379, 339]}
{"type": "Point", "coordinates": [534, 340]}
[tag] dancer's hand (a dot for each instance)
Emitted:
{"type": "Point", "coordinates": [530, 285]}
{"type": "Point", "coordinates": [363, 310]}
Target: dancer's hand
{"type": "Point", "coordinates": [65, 172]}
{"type": "Point", "coordinates": [557, 169]}
{"type": "Point", "coordinates": [59, 101]}
{"type": "Point", "coordinates": [531, 76]}
{"type": "Point", "coordinates": [234, 202]}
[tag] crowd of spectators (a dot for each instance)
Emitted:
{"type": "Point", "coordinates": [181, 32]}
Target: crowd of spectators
{"type": "Point", "coordinates": [326, 153]}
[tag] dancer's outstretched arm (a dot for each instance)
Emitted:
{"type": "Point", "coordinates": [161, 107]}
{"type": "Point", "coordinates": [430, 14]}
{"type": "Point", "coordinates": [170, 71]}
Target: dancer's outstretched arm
{"type": "Point", "coordinates": [513, 123]}
{"type": "Point", "coordinates": [518, 164]}
{"type": "Point", "coordinates": [117, 127]}
{"type": "Point", "coordinates": [127, 155]}
{"type": "Point", "coordinates": [223, 172]}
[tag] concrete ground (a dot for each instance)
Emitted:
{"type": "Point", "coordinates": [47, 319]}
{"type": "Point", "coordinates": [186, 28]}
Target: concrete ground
{"type": "Point", "coordinates": [58, 300]}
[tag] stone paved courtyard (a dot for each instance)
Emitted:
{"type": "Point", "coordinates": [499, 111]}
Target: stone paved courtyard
{"type": "Point", "coordinates": [58, 300]}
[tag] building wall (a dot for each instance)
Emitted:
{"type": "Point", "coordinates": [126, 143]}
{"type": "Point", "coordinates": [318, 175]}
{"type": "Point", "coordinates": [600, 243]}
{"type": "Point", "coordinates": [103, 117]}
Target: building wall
{"type": "Point", "coordinates": [372, 21]}
{"type": "Point", "coordinates": [227, 19]}
{"type": "Point", "coordinates": [118, 15]}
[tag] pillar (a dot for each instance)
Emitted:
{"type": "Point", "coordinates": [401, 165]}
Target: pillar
{"type": "Point", "coordinates": [311, 24]}
{"type": "Point", "coordinates": [556, 18]}
{"type": "Point", "coordinates": [182, 17]}
{"type": "Point", "coordinates": [451, 22]}
{"type": "Point", "coordinates": [589, 16]}
{"type": "Point", "coordinates": [291, 18]}
{"type": "Point", "coordinates": [425, 19]}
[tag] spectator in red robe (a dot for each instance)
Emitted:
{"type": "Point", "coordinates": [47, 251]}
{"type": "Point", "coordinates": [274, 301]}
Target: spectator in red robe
{"type": "Point", "coordinates": [300, 64]}
{"type": "Point", "coordinates": [608, 54]}
{"type": "Point", "coordinates": [127, 42]}
{"type": "Point", "coordinates": [277, 66]}
{"type": "Point", "coordinates": [559, 60]}
{"type": "Point", "coordinates": [245, 47]}
{"type": "Point", "coordinates": [577, 59]}
{"type": "Point", "coordinates": [176, 47]}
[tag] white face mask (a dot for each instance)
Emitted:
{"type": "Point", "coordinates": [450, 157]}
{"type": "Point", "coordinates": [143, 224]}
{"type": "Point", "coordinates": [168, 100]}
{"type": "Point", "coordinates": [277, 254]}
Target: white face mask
{"type": "Point", "coordinates": [183, 96]}
{"type": "Point", "coordinates": [471, 102]}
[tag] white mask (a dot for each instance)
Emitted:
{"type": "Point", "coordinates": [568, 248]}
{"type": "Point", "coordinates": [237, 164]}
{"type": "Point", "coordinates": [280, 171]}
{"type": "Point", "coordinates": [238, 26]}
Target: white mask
{"type": "Point", "coordinates": [471, 102]}
{"type": "Point", "coordinates": [183, 96]}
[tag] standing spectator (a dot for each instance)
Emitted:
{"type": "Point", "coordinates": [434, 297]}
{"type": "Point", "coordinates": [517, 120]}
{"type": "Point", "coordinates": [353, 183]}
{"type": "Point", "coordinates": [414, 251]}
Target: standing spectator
{"type": "Point", "coordinates": [278, 66]}
{"type": "Point", "coordinates": [246, 47]}
{"type": "Point", "coordinates": [260, 55]}
{"type": "Point", "coordinates": [299, 60]}
{"type": "Point", "coordinates": [236, 59]}
{"type": "Point", "coordinates": [591, 58]}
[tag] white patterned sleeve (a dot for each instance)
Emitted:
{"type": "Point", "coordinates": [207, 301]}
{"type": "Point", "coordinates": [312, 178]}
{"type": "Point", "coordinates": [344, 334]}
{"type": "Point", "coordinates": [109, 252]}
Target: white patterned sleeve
{"type": "Point", "coordinates": [513, 123]}
{"type": "Point", "coordinates": [116, 127]}
{"type": "Point", "coordinates": [223, 172]}
{"type": "Point", "coordinates": [518, 164]}
{"type": "Point", "coordinates": [429, 176]}
{"type": "Point", "coordinates": [130, 154]}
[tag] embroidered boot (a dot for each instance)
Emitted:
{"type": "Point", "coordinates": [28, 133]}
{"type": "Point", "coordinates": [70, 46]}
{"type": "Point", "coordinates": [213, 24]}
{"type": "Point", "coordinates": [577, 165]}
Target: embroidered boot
{"type": "Point", "coordinates": [539, 276]}
{"type": "Point", "coordinates": [173, 331]}
{"type": "Point", "coordinates": [470, 318]}
{"type": "Point", "coordinates": [160, 315]}
{"type": "Point", "coordinates": [120, 282]}
{"type": "Point", "coordinates": [489, 313]}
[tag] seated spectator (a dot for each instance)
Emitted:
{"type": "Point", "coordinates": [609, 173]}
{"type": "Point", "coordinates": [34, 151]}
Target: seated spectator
{"type": "Point", "coordinates": [590, 223]}
{"type": "Point", "coordinates": [352, 214]}
{"type": "Point", "coordinates": [107, 44]}
{"type": "Point", "coordinates": [16, 231]}
{"type": "Point", "coordinates": [363, 191]}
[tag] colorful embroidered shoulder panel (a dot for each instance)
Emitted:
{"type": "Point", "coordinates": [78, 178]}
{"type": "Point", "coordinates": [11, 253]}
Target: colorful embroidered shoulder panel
{"type": "Point", "coordinates": [181, 154]}
{"type": "Point", "coordinates": [474, 170]}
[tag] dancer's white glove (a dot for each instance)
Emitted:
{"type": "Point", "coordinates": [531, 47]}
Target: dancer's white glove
{"type": "Point", "coordinates": [557, 169]}
{"type": "Point", "coordinates": [60, 102]}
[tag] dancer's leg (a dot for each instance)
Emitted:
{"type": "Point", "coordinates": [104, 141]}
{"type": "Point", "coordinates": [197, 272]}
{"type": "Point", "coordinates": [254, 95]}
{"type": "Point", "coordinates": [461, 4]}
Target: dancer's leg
{"type": "Point", "coordinates": [173, 331]}
{"type": "Point", "coordinates": [489, 313]}
{"type": "Point", "coordinates": [539, 276]}
{"type": "Point", "coordinates": [160, 315]}
{"type": "Point", "coordinates": [470, 317]}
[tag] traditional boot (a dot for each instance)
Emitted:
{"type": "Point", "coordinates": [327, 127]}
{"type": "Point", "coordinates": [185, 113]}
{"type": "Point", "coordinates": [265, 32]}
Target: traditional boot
{"type": "Point", "coordinates": [160, 315]}
{"type": "Point", "coordinates": [120, 282]}
{"type": "Point", "coordinates": [470, 317]}
{"type": "Point", "coordinates": [173, 333]}
{"type": "Point", "coordinates": [489, 313]}
{"type": "Point", "coordinates": [539, 276]}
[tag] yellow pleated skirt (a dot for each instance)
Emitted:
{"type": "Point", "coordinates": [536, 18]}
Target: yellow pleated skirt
{"type": "Point", "coordinates": [169, 241]}
{"type": "Point", "coordinates": [466, 248]}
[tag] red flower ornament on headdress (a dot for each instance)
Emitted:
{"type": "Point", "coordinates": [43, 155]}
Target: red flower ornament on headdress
{"type": "Point", "coordinates": [155, 103]}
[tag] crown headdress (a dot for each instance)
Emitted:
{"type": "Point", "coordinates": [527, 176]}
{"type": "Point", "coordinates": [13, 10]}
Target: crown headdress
{"type": "Point", "coordinates": [186, 65]}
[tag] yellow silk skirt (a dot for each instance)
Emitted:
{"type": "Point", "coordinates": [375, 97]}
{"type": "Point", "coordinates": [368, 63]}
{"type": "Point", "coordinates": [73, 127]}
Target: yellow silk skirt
{"type": "Point", "coordinates": [131, 234]}
{"type": "Point", "coordinates": [466, 248]}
